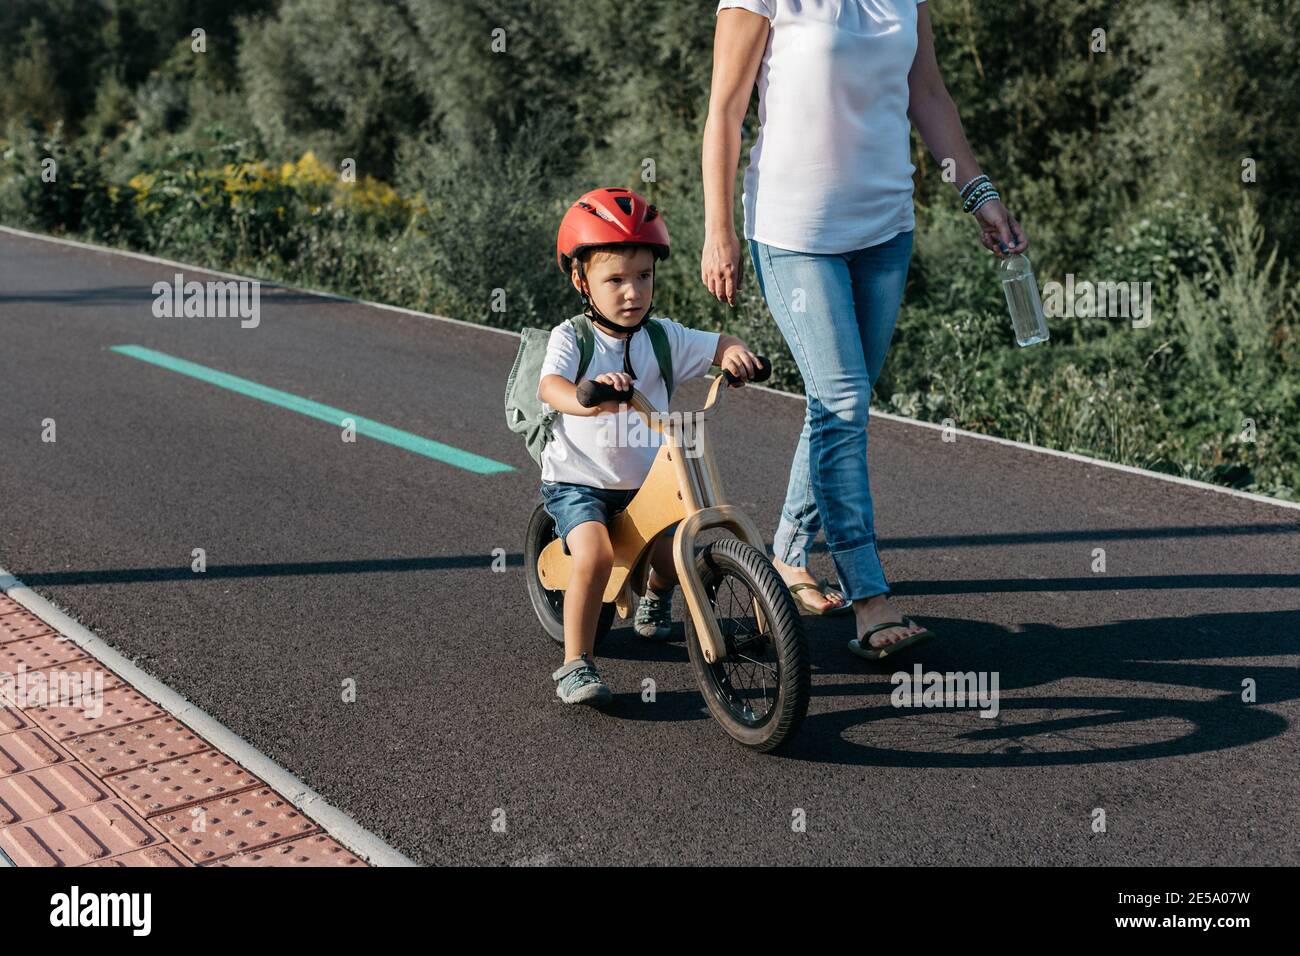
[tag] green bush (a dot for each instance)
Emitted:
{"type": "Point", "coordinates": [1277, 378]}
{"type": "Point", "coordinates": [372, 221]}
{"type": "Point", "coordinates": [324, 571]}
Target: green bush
{"type": "Point", "coordinates": [1124, 165]}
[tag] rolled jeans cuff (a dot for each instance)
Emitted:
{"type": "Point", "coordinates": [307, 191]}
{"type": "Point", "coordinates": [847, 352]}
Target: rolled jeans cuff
{"type": "Point", "coordinates": [860, 571]}
{"type": "Point", "coordinates": [791, 543]}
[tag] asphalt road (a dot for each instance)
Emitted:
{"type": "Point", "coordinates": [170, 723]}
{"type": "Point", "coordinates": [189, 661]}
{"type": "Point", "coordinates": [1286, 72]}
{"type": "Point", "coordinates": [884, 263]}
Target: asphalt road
{"type": "Point", "coordinates": [330, 561]}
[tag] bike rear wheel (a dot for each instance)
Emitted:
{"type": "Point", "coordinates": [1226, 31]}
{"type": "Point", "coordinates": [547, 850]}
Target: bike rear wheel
{"type": "Point", "coordinates": [759, 691]}
{"type": "Point", "coordinates": [547, 603]}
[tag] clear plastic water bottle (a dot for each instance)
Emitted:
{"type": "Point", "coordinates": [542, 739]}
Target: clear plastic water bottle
{"type": "Point", "coordinates": [1021, 290]}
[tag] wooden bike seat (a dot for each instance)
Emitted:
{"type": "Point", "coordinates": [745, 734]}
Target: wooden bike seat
{"type": "Point", "coordinates": [652, 510]}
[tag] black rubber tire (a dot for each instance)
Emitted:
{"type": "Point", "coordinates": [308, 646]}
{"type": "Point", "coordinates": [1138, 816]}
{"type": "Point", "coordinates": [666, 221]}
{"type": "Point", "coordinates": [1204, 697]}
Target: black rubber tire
{"type": "Point", "coordinates": [783, 642]}
{"type": "Point", "coordinates": [548, 604]}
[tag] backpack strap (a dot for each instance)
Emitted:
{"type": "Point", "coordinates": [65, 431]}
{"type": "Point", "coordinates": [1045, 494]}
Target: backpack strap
{"type": "Point", "coordinates": [663, 352]}
{"type": "Point", "coordinates": [586, 342]}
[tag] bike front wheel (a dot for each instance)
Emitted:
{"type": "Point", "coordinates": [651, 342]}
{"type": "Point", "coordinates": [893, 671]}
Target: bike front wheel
{"type": "Point", "coordinates": [759, 691]}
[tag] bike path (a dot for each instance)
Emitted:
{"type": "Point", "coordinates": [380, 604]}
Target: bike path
{"type": "Point", "coordinates": [368, 565]}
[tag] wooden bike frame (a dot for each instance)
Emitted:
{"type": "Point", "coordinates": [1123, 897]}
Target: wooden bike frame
{"type": "Point", "coordinates": [683, 486]}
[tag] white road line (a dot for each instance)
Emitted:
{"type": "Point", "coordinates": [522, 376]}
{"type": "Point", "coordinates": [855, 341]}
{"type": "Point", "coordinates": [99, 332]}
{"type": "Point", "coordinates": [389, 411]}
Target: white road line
{"type": "Point", "coordinates": [888, 416]}
{"type": "Point", "coordinates": [109, 251]}
{"type": "Point", "coordinates": [337, 823]}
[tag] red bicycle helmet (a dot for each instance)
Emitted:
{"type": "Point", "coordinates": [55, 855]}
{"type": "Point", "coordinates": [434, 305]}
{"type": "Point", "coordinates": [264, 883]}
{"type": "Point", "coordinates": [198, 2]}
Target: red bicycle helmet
{"type": "Point", "coordinates": [608, 217]}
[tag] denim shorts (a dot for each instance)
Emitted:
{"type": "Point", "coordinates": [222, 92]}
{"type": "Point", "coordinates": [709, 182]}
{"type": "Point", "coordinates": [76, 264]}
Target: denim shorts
{"type": "Point", "coordinates": [570, 505]}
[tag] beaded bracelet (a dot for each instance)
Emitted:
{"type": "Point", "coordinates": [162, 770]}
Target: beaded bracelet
{"type": "Point", "coordinates": [987, 199]}
{"type": "Point", "coordinates": [965, 190]}
{"type": "Point", "coordinates": [985, 189]}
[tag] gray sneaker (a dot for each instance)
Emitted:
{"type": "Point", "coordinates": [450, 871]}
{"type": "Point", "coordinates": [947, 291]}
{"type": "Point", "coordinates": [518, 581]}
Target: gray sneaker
{"type": "Point", "coordinates": [578, 682]}
{"type": "Point", "coordinates": [654, 617]}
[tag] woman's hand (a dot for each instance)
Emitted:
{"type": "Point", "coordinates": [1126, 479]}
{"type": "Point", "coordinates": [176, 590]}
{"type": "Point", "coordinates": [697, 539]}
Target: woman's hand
{"type": "Point", "coordinates": [999, 231]}
{"type": "Point", "coordinates": [720, 266]}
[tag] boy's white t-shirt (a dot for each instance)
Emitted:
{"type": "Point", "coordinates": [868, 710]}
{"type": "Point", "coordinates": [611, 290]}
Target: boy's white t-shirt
{"type": "Point", "coordinates": [831, 170]}
{"type": "Point", "coordinates": [616, 451]}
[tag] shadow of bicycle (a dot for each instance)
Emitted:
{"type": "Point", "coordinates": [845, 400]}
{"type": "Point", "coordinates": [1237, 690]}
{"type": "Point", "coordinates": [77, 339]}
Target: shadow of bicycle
{"type": "Point", "coordinates": [1133, 690]}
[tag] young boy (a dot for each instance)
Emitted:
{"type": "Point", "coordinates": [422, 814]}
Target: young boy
{"type": "Point", "coordinates": [608, 244]}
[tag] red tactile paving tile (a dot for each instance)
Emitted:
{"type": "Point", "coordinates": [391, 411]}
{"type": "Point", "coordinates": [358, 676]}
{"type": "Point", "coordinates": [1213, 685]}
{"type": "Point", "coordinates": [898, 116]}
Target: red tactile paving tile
{"type": "Point", "coordinates": [181, 782]}
{"type": "Point", "coordinates": [34, 653]}
{"type": "Point", "coordinates": [12, 719]}
{"type": "Point", "coordinates": [25, 750]}
{"type": "Point", "coordinates": [83, 666]}
{"type": "Point", "coordinates": [135, 745]}
{"type": "Point", "coordinates": [48, 791]}
{"type": "Point", "coordinates": [110, 787]}
{"type": "Point", "coordinates": [318, 850]}
{"type": "Point", "coordinates": [116, 708]}
{"type": "Point", "coordinates": [161, 855]}
{"type": "Point", "coordinates": [234, 824]}
{"type": "Point", "coordinates": [19, 624]}
{"type": "Point", "coordinates": [97, 832]}
{"type": "Point", "coordinates": [71, 681]}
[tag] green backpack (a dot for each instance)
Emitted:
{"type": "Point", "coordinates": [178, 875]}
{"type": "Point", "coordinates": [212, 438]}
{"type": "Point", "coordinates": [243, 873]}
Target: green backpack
{"type": "Point", "coordinates": [524, 412]}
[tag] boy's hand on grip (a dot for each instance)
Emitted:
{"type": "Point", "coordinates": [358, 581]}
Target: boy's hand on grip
{"type": "Point", "coordinates": [619, 382]}
{"type": "Point", "coordinates": [742, 364]}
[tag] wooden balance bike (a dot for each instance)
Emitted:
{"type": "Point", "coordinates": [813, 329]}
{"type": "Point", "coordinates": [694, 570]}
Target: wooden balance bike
{"type": "Point", "coordinates": [743, 634]}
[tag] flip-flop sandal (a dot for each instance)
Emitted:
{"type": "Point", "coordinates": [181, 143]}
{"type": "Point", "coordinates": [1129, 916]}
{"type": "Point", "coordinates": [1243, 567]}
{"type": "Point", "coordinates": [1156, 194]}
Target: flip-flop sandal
{"type": "Point", "coordinates": [820, 587]}
{"type": "Point", "coordinates": [862, 646]}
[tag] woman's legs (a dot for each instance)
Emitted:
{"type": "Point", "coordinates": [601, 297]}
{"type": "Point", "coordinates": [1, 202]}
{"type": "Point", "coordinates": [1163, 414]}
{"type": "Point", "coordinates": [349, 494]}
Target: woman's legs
{"type": "Point", "coordinates": [800, 521]}
{"type": "Point", "coordinates": [800, 524]}
{"type": "Point", "coordinates": [879, 277]}
{"type": "Point", "coordinates": [837, 312]}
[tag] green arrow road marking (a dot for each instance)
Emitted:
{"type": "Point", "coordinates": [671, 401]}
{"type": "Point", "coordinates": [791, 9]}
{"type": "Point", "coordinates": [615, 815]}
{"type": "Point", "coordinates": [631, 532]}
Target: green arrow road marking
{"type": "Point", "coordinates": [364, 426]}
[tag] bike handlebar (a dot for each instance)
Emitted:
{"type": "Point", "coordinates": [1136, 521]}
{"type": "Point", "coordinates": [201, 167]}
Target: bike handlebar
{"type": "Point", "coordinates": [762, 375]}
{"type": "Point", "coordinates": [592, 393]}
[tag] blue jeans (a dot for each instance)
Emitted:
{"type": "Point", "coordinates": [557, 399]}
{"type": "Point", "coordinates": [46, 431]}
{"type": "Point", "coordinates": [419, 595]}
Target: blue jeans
{"type": "Point", "coordinates": [837, 313]}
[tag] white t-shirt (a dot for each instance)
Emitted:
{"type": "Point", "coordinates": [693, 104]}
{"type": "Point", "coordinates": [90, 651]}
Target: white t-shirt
{"type": "Point", "coordinates": [616, 451]}
{"type": "Point", "coordinates": [831, 170]}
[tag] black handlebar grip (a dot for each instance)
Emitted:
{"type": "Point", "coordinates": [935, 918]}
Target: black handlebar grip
{"type": "Point", "coordinates": [591, 393]}
{"type": "Point", "coordinates": [763, 374]}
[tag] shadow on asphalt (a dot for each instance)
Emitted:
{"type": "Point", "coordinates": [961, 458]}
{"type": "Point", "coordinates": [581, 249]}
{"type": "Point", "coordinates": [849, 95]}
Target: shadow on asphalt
{"type": "Point", "coordinates": [1157, 696]}
{"type": "Point", "coordinates": [144, 293]}
{"type": "Point", "coordinates": [1159, 699]}
{"type": "Point", "coordinates": [224, 572]}
{"type": "Point", "coordinates": [182, 572]}
{"type": "Point", "coordinates": [1100, 534]}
